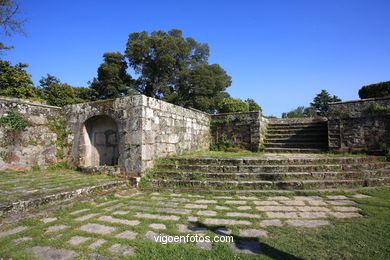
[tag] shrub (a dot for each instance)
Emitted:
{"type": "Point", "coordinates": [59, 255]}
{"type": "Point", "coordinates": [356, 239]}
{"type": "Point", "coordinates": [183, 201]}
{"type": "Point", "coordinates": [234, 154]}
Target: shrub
{"type": "Point", "coordinates": [381, 89]}
{"type": "Point", "coordinates": [231, 105]}
{"type": "Point", "coordinates": [14, 121]}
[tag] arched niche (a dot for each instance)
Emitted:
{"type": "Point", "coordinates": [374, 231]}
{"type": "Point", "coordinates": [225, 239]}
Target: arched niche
{"type": "Point", "coordinates": [100, 138]}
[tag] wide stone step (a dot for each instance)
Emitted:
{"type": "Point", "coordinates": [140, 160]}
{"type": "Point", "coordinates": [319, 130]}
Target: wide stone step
{"type": "Point", "coordinates": [297, 126]}
{"type": "Point", "coordinates": [266, 176]}
{"type": "Point", "coordinates": [298, 131]}
{"type": "Point", "coordinates": [273, 168]}
{"type": "Point", "coordinates": [287, 185]}
{"type": "Point", "coordinates": [318, 145]}
{"type": "Point", "coordinates": [300, 139]}
{"type": "Point", "coordinates": [298, 135]}
{"type": "Point", "coordinates": [273, 161]}
{"type": "Point", "coordinates": [293, 150]}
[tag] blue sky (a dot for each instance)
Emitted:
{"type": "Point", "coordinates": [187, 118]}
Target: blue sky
{"type": "Point", "coordinates": [281, 53]}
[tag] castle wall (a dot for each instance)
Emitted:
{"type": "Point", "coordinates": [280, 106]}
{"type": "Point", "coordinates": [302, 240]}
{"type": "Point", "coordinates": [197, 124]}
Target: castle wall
{"type": "Point", "coordinates": [34, 145]}
{"type": "Point", "coordinates": [147, 129]}
{"type": "Point", "coordinates": [359, 126]}
{"type": "Point", "coordinates": [243, 129]}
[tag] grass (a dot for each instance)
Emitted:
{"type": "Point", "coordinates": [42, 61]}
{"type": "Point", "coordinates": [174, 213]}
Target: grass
{"type": "Point", "coordinates": [367, 237]}
{"type": "Point", "coordinates": [15, 185]}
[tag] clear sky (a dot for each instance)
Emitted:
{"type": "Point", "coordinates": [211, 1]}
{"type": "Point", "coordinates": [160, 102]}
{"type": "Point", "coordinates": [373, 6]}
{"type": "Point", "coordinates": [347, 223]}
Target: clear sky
{"type": "Point", "coordinates": [281, 53]}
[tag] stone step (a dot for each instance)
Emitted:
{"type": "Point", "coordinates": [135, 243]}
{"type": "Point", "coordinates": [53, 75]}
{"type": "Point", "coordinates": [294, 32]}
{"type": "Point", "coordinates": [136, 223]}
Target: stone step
{"type": "Point", "coordinates": [302, 131]}
{"type": "Point", "coordinates": [272, 176]}
{"type": "Point", "coordinates": [273, 168]}
{"type": "Point", "coordinates": [294, 150]}
{"type": "Point", "coordinates": [300, 139]}
{"type": "Point", "coordinates": [286, 185]}
{"type": "Point", "coordinates": [298, 135]}
{"type": "Point", "coordinates": [317, 145]}
{"type": "Point", "coordinates": [297, 126]}
{"type": "Point", "coordinates": [273, 161]}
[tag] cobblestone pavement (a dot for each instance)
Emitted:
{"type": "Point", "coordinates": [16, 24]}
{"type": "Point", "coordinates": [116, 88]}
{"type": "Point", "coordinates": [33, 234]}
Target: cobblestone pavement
{"type": "Point", "coordinates": [117, 226]}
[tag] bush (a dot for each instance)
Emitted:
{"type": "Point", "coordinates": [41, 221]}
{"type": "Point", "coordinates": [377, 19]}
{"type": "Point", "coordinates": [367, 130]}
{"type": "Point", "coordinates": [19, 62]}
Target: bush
{"type": "Point", "coordinates": [231, 105]}
{"type": "Point", "coordinates": [14, 121]}
{"type": "Point", "coordinates": [381, 89]}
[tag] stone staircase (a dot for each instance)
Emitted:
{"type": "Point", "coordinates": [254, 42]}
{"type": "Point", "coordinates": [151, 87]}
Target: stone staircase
{"type": "Point", "coordinates": [278, 173]}
{"type": "Point", "coordinates": [305, 135]}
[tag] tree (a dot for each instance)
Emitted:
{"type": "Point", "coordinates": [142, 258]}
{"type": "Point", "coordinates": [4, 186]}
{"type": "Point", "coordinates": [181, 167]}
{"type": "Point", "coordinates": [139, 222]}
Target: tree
{"type": "Point", "coordinates": [202, 88]}
{"type": "Point", "coordinates": [56, 93]}
{"type": "Point", "coordinates": [253, 106]}
{"type": "Point", "coordinates": [113, 80]}
{"type": "Point", "coordinates": [231, 105]}
{"type": "Point", "coordinates": [321, 102]}
{"type": "Point", "coordinates": [15, 81]}
{"type": "Point", "coordinates": [300, 112]}
{"type": "Point", "coordinates": [175, 69]}
{"type": "Point", "coordinates": [85, 94]}
{"type": "Point", "coordinates": [381, 89]}
{"type": "Point", "coordinates": [10, 23]}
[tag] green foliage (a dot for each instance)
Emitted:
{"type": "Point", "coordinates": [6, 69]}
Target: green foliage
{"type": "Point", "coordinates": [57, 125]}
{"type": "Point", "coordinates": [375, 108]}
{"type": "Point", "coordinates": [203, 87]}
{"type": "Point", "coordinates": [56, 93]}
{"type": "Point", "coordinates": [381, 89]}
{"type": "Point", "coordinates": [15, 81]}
{"type": "Point", "coordinates": [321, 103]}
{"type": "Point", "coordinates": [113, 81]}
{"type": "Point", "coordinates": [300, 112]}
{"type": "Point", "coordinates": [13, 121]}
{"type": "Point", "coordinates": [231, 105]}
{"type": "Point", "coordinates": [35, 168]}
{"type": "Point", "coordinates": [58, 166]}
{"type": "Point", "coordinates": [176, 69]}
{"type": "Point", "coordinates": [253, 106]}
{"type": "Point", "coordinates": [85, 94]}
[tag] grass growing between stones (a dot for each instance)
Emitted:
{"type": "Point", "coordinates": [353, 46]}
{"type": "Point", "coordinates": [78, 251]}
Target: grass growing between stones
{"type": "Point", "coordinates": [364, 237]}
{"type": "Point", "coordinates": [20, 185]}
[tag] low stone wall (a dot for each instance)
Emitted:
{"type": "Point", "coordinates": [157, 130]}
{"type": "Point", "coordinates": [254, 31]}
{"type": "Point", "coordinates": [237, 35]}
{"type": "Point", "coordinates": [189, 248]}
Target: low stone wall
{"type": "Point", "coordinates": [34, 145]}
{"type": "Point", "coordinates": [359, 126]}
{"type": "Point", "coordinates": [244, 129]}
{"type": "Point", "coordinates": [144, 129]}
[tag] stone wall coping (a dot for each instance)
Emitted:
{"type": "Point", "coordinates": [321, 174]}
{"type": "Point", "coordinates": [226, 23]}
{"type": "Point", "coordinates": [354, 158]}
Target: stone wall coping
{"type": "Point", "coordinates": [235, 113]}
{"type": "Point", "coordinates": [359, 100]}
{"type": "Point", "coordinates": [26, 102]}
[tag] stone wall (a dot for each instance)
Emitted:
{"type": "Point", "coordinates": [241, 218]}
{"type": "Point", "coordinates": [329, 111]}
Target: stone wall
{"type": "Point", "coordinates": [145, 129]}
{"type": "Point", "coordinates": [34, 145]}
{"type": "Point", "coordinates": [359, 126]}
{"type": "Point", "coordinates": [244, 129]}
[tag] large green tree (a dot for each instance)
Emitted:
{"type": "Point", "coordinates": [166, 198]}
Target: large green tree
{"type": "Point", "coordinates": [380, 89]}
{"type": "Point", "coordinates": [321, 102]}
{"type": "Point", "coordinates": [113, 81]}
{"type": "Point", "coordinates": [10, 22]}
{"type": "Point", "coordinates": [15, 81]}
{"type": "Point", "coordinates": [300, 112]}
{"type": "Point", "coordinates": [175, 69]}
{"type": "Point", "coordinates": [56, 93]}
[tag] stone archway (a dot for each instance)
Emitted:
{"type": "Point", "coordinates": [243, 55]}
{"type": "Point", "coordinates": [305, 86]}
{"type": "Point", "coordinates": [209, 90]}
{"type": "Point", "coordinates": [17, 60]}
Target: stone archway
{"type": "Point", "coordinates": [101, 141]}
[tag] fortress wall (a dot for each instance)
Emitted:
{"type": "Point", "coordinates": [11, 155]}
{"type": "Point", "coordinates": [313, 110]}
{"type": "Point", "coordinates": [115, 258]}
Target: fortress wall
{"type": "Point", "coordinates": [35, 144]}
{"type": "Point", "coordinates": [359, 126]}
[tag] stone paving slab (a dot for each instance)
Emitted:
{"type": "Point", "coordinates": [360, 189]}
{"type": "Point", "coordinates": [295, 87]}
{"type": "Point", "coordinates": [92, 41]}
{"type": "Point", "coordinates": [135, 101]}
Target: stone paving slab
{"type": "Point", "coordinates": [246, 246]}
{"type": "Point", "coordinates": [78, 211]}
{"type": "Point", "coordinates": [345, 214]}
{"type": "Point", "coordinates": [56, 228]}
{"type": "Point", "coordinates": [195, 206]}
{"type": "Point", "coordinates": [281, 214]}
{"type": "Point", "coordinates": [157, 226]}
{"type": "Point", "coordinates": [340, 208]}
{"type": "Point", "coordinates": [155, 216]}
{"type": "Point", "coordinates": [235, 202]}
{"type": "Point", "coordinates": [48, 220]}
{"type": "Point", "coordinates": [98, 243]}
{"type": "Point", "coordinates": [86, 217]}
{"type": "Point", "coordinates": [187, 229]}
{"type": "Point", "coordinates": [209, 213]}
{"type": "Point", "coordinates": [275, 208]}
{"type": "Point", "coordinates": [76, 240]}
{"type": "Point", "coordinates": [49, 253]}
{"type": "Point", "coordinates": [204, 245]}
{"type": "Point", "coordinates": [307, 223]}
{"type": "Point", "coordinates": [271, 223]}
{"type": "Point", "coordinates": [22, 239]}
{"type": "Point", "coordinates": [341, 202]}
{"type": "Point", "coordinates": [220, 221]}
{"type": "Point", "coordinates": [175, 211]}
{"type": "Point", "coordinates": [266, 202]}
{"type": "Point", "coordinates": [97, 228]}
{"type": "Point", "coordinates": [118, 220]}
{"type": "Point", "coordinates": [241, 214]}
{"type": "Point", "coordinates": [122, 250]}
{"type": "Point", "coordinates": [13, 231]}
{"type": "Point", "coordinates": [128, 234]}
{"type": "Point", "coordinates": [253, 232]}
{"type": "Point", "coordinates": [361, 196]}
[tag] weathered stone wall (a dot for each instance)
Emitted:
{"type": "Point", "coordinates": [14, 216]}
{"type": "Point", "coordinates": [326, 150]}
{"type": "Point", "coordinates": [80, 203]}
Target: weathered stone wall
{"type": "Point", "coordinates": [244, 129]}
{"type": "Point", "coordinates": [33, 145]}
{"type": "Point", "coordinates": [147, 129]}
{"type": "Point", "coordinates": [359, 126]}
